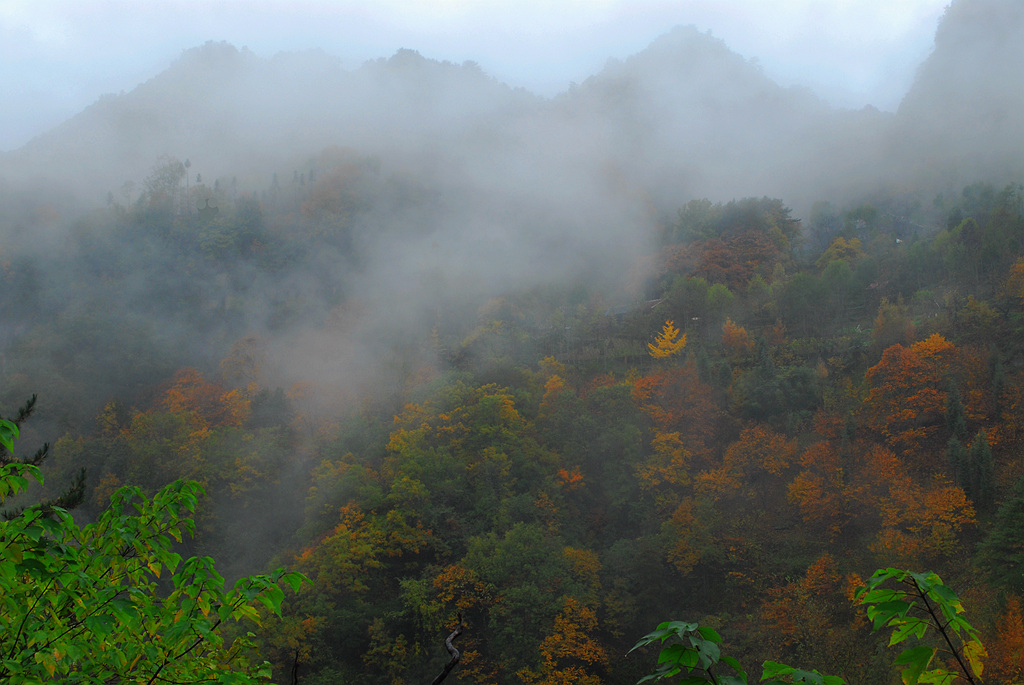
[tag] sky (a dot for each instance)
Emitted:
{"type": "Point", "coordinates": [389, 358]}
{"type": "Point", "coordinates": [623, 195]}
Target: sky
{"type": "Point", "coordinates": [59, 56]}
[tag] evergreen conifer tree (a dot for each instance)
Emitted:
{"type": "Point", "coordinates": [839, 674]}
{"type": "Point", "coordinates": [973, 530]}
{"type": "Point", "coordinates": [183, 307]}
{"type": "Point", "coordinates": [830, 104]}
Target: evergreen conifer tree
{"type": "Point", "coordinates": [979, 477]}
{"type": "Point", "coordinates": [1001, 555]}
{"type": "Point", "coordinates": [956, 422]}
{"type": "Point", "coordinates": [956, 453]}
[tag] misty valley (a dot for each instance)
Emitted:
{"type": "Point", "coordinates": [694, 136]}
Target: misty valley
{"type": "Point", "coordinates": [305, 369]}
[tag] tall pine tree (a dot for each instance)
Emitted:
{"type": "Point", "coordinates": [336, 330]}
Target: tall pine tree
{"type": "Point", "coordinates": [978, 479]}
{"type": "Point", "coordinates": [1001, 555]}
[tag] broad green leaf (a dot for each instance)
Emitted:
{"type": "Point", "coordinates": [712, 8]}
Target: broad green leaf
{"type": "Point", "coordinates": [709, 634]}
{"type": "Point", "coordinates": [884, 595]}
{"type": "Point", "coordinates": [33, 565]}
{"type": "Point", "coordinates": [709, 653]}
{"type": "Point", "coordinates": [295, 580]}
{"type": "Point", "coordinates": [912, 626]}
{"type": "Point", "coordinates": [8, 434]}
{"type": "Point", "coordinates": [689, 658]}
{"type": "Point", "coordinates": [942, 593]}
{"type": "Point", "coordinates": [102, 625]}
{"type": "Point", "coordinates": [896, 607]}
{"type": "Point", "coordinates": [915, 660]}
{"type": "Point", "coordinates": [771, 669]}
{"type": "Point", "coordinates": [671, 654]}
{"type": "Point", "coordinates": [739, 679]}
{"type": "Point", "coordinates": [734, 664]}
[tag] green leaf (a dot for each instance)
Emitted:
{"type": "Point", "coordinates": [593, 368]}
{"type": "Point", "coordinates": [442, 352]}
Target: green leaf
{"type": "Point", "coordinates": [689, 658]}
{"type": "Point", "coordinates": [882, 595]}
{"type": "Point", "coordinates": [102, 625]}
{"type": "Point", "coordinates": [942, 593]}
{"type": "Point", "coordinates": [894, 607]}
{"type": "Point", "coordinates": [295, 580]}
{"type": "Point", "coordinates": [671, 654]}
{"type": "Point", "coordinates": [916, 660]}
{"type": "Point", "coordinates": [771, 669]}
{"type": "Point", "coordinates": [735, 665]}
{"type": "Point", "coordinates": [708, 651]}
{"type": "Point", "coordinates": [8, 434]}
{"type": "Point", "coordinates": [34, 565]}
{"type": "Point", "coordinates": [709, 634]}
{"type": "Point", "coordinates": [912, 626]}
{"type": "Point", "coordinates": [740, 679]}
{"type": "Point", "coordinates": [272, 599]}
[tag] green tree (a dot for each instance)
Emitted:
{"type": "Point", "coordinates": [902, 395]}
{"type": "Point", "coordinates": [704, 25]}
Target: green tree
{"type": "Point", "coordinates": [1001, 555]}
{"type": "Point", "coordinates": [978, 481]}
{"type": "Point", "coordinates": [956, 454]}
{"type": "Point", "coordinates": [164, 182]}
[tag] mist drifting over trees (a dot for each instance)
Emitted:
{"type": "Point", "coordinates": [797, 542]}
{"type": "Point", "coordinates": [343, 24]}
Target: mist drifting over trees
{"type": "Point", "coordinates": [399, 321]}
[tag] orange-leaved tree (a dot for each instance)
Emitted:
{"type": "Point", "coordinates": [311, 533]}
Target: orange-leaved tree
{"type": "Point", "coordinates": [1006, 650]}
{"type": "Point", "coordinates": [907, 400]}
{"type": "Point", "coordinates": [570, 653]}
{"type": "Point", "coordinates": [736, 340]}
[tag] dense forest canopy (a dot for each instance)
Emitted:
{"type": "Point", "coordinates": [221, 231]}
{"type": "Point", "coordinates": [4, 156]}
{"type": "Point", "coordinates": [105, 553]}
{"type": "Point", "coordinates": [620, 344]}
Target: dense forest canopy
{"type": "Point", "coordinates": [677, 343]}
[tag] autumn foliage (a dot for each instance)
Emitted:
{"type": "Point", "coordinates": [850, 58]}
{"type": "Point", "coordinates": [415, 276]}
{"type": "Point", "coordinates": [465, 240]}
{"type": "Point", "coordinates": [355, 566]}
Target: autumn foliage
{"type": "Point", "coordinates": [907, 396]}
{"type": "Point", "coordinates": [668, 343]}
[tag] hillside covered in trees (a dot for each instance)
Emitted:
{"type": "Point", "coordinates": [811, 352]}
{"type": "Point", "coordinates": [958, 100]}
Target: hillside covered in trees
{"type": "Point", "coordinates": [562, 368]}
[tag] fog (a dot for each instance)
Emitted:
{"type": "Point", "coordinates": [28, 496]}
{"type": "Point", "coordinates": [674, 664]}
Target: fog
{"type": "Point", "coordinates": [439, 187]}
{"type": "Point", "coordinates": [58, 55]}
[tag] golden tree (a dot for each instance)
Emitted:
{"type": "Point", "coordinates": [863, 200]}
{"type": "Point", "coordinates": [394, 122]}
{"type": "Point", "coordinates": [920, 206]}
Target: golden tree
{"type": "Point", "coordinates": [667, 343]}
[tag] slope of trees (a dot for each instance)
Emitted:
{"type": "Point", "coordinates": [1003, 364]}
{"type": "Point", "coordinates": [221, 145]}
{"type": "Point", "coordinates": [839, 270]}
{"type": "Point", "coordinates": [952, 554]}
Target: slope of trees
{"type": "Point", "coordinates": [772, 412]}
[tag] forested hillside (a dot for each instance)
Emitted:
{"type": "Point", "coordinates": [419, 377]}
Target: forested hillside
{"type": "Point", "coordinates": [560, 402]}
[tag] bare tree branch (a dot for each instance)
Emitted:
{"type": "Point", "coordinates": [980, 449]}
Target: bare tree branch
{"type": "Point", "coordinates": [451, 650]}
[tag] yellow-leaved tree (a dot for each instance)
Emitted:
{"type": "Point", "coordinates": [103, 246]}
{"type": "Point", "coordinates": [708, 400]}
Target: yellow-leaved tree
{"type": "Point", "coordinates": [667, 343]}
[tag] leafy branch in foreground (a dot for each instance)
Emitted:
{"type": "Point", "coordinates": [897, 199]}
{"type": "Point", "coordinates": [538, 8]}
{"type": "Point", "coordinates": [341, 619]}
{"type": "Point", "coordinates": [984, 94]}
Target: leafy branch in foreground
{"type": "Point", "coordinates": [693, 649]}
{"type": "Point", "coordinates": [696, 651]}
{"type": "Point", "coordinates": [919, 603]}
{"type": "Point", "coordinates": [82, 604]}
{"type": "Point", "coordinates": [9, 431]}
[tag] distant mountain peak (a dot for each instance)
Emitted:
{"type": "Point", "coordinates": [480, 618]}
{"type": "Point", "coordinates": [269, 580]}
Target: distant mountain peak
{"type": "Point", "coordinates": [213, 55]}
{"type": "Point", "coordinates": [961, 116]}
{"type": "Point", "coordinates": [683, 39]}
{"type": "Point", "coordinates": [979, 49]}
{"type": "Point", "coordinates": [979, 20]}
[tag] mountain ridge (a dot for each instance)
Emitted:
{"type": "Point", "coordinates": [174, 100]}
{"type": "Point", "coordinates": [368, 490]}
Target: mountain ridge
{"type": "Point", "coordinates": [686, 116]}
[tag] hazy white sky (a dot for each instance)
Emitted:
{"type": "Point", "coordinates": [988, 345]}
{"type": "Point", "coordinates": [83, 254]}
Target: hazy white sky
{"type": "Point", "coordinates": [58, 56]}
